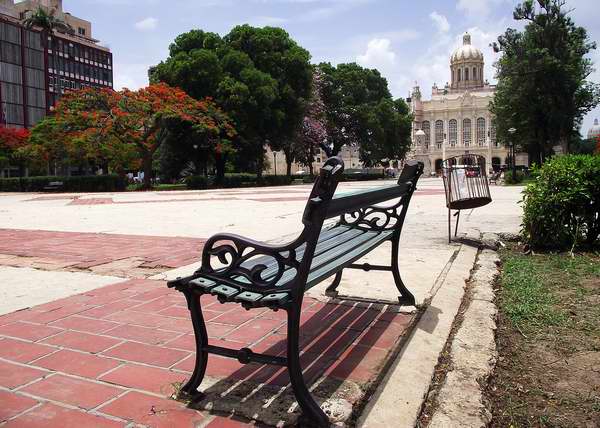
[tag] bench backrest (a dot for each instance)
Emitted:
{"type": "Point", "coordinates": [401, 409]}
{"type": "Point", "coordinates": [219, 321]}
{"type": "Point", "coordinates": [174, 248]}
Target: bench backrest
{"type": "Point", "coordinates": [357, 208]}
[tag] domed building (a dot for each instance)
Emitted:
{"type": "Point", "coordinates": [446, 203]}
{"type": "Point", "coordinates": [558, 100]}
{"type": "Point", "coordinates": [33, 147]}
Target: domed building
{"type": "Point", "coordinates": [594, 131]}
{"type": "Point", "coordinates": [457, 120]}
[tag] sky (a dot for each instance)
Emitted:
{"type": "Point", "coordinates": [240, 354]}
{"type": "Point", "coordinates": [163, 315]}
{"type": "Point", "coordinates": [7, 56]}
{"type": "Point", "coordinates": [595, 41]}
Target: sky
{"type": "Point", "coordinates": [408, 41]}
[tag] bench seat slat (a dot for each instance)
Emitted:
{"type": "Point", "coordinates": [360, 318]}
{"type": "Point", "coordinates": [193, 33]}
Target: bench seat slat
{"type": "Point", "coordinates": [326, 270]}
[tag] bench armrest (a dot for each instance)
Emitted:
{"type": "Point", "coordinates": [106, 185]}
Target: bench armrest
{"type": "Point", "coordinates": [261, 263]}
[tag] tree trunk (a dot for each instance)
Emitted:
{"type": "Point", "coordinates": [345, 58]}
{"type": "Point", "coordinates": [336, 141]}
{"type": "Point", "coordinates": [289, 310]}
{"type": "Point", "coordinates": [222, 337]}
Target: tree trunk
{"type": "Point", "coordinates": [147, 168]}
{"type": "Point", "coordinates": [289, 159]}
{"type": "Point", "coordinates": [220, 161]}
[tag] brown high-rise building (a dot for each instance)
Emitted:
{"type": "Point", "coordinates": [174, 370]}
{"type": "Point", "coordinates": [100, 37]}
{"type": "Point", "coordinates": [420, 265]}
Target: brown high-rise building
{"type": "Point", "coordinates": [34, 72]}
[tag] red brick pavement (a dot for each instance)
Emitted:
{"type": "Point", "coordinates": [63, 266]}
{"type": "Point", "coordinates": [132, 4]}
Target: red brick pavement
{"type": "Point", "coordinates": [113, 355]}
{"type": "Point", "coordinates": [85, 250]}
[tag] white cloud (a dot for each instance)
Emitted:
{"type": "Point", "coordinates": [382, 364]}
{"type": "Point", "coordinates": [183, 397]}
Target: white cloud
{"type": "Point", "coordinates": [480, 9]}
{"type": "Point", "coordinates": [130, 76]}
{"type": "Point", "coordinates": [440, 21]}
{"type": "Point", "coordinates": [267, 20]}
{"type": "Point", "coordinates": [147, 24]}
{"type": "Point", "coordinates": [378, 55]}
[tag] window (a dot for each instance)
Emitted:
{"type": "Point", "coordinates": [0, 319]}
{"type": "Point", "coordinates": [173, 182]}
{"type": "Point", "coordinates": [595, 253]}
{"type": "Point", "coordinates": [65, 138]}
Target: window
{"type": "Point", "coordinates": [481, 131]}
{"type": "Point", "coordinates": [467, 73]}
{"type": "Point", "coordinates": [427, 130]}
{"type": "Point", "coordinates": [439, 133]}
{"type": "Point", "coordinates": [81, 31]}
{"type": "Point", "coordinates": [459, 74]}
{"type": "Point", "coordinates": [474, 73]}
{"type": "Point", "coordinates": [466, 131]}
{"type": "Point", "coordinates": [452, 131]}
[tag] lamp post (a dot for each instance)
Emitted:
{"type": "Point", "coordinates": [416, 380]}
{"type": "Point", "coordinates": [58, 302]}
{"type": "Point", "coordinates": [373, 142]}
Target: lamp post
{"type": "Point", "coordinates": [511, 144]}
{"type": "Point", "coordinates": [275, 161]}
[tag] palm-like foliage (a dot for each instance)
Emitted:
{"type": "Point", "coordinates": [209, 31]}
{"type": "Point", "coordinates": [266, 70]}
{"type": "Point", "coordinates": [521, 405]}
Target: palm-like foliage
{"type": "Point", "coordinates": [47, 22]}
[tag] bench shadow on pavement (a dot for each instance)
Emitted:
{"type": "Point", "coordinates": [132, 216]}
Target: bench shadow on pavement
{"type": "Point", "coordinates": [337, 339]}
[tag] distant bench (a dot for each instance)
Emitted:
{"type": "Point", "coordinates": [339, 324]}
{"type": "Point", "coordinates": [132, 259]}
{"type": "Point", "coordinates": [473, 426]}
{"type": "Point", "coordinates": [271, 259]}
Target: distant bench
{"type": "Point", "coordinates": [53, 186]}
{"type": "Point", "coordinates": [256, 274]}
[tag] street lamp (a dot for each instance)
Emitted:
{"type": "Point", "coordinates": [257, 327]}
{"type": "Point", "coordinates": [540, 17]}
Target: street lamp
{"type": "Point", "coordinates": [511, 144]}
{"type": "Point", "coordinates": [275, 161]}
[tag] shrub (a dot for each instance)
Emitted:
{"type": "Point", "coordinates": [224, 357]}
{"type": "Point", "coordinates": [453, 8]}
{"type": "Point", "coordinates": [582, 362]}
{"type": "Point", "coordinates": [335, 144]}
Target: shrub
{"type": "Point", "coordinates": [509, 179]}
{"type": "Point", "coordinates": [276, 180]}
{"type": "Point", "coordinates": [239, 180]}
{"type": "Point", "coordinates": [562, 206]}
{"type": "Point", "coordinates": [86, 183]}
{"type": "Point", "coordinates": [197, 182]}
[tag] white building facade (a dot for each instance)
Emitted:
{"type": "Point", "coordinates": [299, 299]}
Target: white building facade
{"type": "Point", "coordinates": [457, 119]}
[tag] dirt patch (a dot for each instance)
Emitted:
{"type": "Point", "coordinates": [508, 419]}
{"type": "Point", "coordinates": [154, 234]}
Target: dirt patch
{"type": "Point", "coordinates": [548, 375]}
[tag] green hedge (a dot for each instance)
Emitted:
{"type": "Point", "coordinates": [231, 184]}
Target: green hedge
{"type": "Point", "coordinates": [88, 183]}
{"type": "Point", "coordinates": [561, 208]}
{"type": "Point", "coordinates": [251, 180]}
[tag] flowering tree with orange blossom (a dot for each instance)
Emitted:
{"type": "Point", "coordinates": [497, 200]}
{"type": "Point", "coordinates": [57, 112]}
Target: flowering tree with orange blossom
{"type": "Point", "coordinates": [125, 126]}
{"type": "Point", "coordinates": [12, 144]}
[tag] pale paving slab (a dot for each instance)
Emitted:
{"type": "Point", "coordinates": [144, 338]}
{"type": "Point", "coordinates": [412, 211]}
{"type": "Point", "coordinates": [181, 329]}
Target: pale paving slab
{"type": "Point", "coordinates": [397, 402]}
{"type": "Point", "coordinates": [22, 288]}
{"type": "Point", "coordinates": [190, 214]}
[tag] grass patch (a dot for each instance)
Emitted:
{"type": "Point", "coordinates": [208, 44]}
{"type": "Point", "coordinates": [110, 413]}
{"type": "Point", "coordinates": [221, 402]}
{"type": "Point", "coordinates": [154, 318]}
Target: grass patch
{"type": "Point", "coordinates": [548, 341]}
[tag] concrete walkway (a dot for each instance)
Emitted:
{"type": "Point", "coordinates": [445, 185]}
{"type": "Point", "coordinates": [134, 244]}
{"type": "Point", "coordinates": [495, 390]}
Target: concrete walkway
{"type": "Point", "coordinates": [117, 249]}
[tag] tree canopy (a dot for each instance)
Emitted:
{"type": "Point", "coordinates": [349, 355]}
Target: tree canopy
{"type": "Point", "coordinates": [360, 112]}
{"type": "Point", "coordinates": [12, 144]}
{"type": "Point", "coordinates": [543, 89]}
{"type": "Point", "coordinates": [125, 128]}
{"type": "Point", "coordinates": [259, 76]}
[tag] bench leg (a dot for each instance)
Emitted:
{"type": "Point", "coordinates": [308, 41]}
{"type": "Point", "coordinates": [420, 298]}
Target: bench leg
{"type": "Point", "coordinates": [310, 409]}
{"type": "Point", "coordinates": [191, 387]}
{"type": "Point", "coordinates": [406, 297]}
{"type": "Point", "coordinates": [331, 291]}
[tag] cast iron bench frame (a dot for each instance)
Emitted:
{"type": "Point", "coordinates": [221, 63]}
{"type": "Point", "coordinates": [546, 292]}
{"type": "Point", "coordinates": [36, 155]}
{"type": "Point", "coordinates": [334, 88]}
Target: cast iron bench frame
{"type": "Point", "coordinates": [257, 274]}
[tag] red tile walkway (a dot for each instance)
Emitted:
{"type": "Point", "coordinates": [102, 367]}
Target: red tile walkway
{"type": "Point", "coordinates": [84, 250]}
{"type": "Point", "coordinates": [112, 356]}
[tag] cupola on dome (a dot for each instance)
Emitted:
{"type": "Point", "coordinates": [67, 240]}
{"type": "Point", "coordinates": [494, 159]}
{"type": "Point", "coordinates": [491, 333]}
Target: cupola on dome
{"type": "Point", "coordinates": [594, 131]}
{"type": "Point", "coordinates": [467, 52]}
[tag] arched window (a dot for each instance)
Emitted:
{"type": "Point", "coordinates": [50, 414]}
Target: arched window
{"type": "Point", "coordinates": [466, 73]}
{"type": "Point", "coordinates": [466, 131]}
{"type": "Point", "coordinates": [439, 133]}
{"type": "Point", "coordinates": [481, 131]}
{"type": "Point", "coordinates": [452, 75]}
{"type": "Point", "coordinates": [493, 134]}
{"type": "Point", "coordinates": [474, 73]}
{"type": "Point", "coordinates": [459, 74]}
{"type": "Point", "coordinates": [452, 132]}
{"type": "Point", "coordinates": [427, 130]}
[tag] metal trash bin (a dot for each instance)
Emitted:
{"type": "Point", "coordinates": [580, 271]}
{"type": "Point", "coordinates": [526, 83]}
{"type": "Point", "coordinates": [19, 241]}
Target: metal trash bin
{"type": "Point", "coordinates": [466, 185]}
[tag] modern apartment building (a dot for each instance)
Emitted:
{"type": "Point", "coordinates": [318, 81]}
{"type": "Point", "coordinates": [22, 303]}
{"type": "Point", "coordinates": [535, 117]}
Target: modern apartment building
{"type": "Point", "coordinates": [36, 70]}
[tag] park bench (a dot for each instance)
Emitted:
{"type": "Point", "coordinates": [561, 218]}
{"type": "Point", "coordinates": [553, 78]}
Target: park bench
{"type": "Point", "coordinates": [53, 186]}
{"type": "Point", "coordinates": [256, 274]}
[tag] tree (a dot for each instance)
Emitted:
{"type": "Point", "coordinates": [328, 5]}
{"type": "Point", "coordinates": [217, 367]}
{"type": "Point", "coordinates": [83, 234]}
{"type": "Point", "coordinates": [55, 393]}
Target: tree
{"type": "Point", "coordinates": [313, 132]}
{"type": "Point", "coordinates": [13, 141]}
{"type": "Point", "coordinates": [119, 126]}
{"type": "Point", "coordinates": [542, 88]}
{"type": "Point", "coordinates": [387, 132]}
{"type": "Point", "coordinates": [259, 76]}
{"type": "Point", "coordinates": [47, 21]}
{"type": "Point", "coordinates": [360, 111]}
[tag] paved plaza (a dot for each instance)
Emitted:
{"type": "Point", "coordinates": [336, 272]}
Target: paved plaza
{"type": "Point", "coordinates": [91, 336]}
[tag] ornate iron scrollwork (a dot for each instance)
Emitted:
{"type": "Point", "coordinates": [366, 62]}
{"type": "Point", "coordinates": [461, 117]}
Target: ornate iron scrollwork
{"type": "Point", "coordinates": [247, 263]}
{"type": "Point", "coordinates": [374, 217]}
